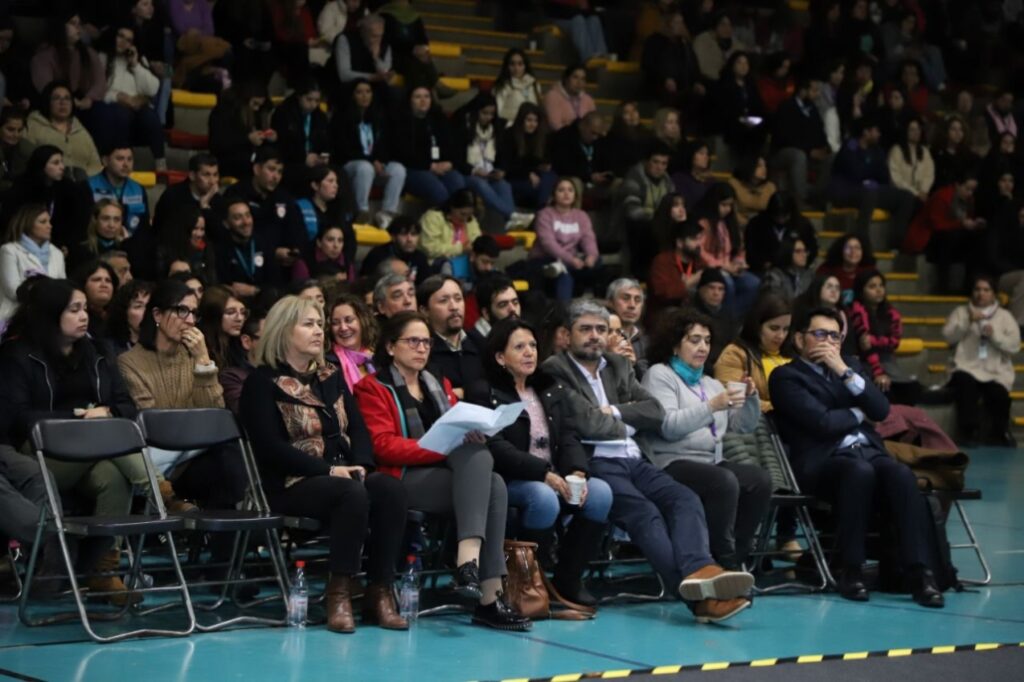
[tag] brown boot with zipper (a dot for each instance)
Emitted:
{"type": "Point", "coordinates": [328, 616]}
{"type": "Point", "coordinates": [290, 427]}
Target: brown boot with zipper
{"type": "Point", "coordinates": [172, 503]}
{"type": "Point", "coordinates": [339, 605]}
{"type": "Point", "coordinates": [110, 562]}
{"type": "Point", "coordinates": [379, 607]}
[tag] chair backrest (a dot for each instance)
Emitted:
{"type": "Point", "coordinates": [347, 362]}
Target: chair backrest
{"type": "Point", "coordinates": [196, 429]}
{"type": "Point", "coordinates": [86, 440]}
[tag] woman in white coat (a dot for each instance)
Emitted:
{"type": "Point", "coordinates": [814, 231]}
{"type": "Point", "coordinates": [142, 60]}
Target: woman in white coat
{"type": "Point", "coordinates": [27, 251]}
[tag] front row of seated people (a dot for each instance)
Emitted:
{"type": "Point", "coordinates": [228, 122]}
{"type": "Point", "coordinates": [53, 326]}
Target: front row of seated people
{"type": "Point", "coordinates": [652, 453]}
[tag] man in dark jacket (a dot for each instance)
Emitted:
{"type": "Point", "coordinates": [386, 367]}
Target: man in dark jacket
{"type": "Point", "coordinates": [577, 151]}
{"type": "Point", "coordinates": [404, 245]}
{"type": "Point", "coordinates": [245, 263]}
{"type": "Point", "coordinates": [202, 189]}
{"type": "Point", "coordinates": [453, 355]}
{"type": "Point", "coordinates": [710, 301]}
{"type": "Point", "coordinates": [824, 410]}
{"type": "Point", "coordinates": [799, 144]}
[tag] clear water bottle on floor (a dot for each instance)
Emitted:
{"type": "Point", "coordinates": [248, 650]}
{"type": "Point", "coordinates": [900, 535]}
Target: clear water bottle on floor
{"type": "Point", "coordinates": [298, 597]}
{"type": "Point", "coordinates": [409, 591]}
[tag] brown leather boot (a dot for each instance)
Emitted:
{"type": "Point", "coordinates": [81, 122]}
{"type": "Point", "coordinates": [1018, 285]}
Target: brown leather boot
{"type": "Point", "coordinates": [172, 503]}
{"type": "Point", "coordinates": [112, 583]}
{"type": "Point", "coordinates": [339, 605]}
{"type": "Point", "coordinates": [379, 607]}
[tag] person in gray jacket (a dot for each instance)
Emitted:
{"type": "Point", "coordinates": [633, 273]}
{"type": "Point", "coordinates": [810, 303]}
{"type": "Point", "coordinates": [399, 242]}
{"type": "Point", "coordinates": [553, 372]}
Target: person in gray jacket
{"type": "Point", "coordinates": [699, 411]}
{"type": "Point", "coordinates": [642, 189]}
{"type": "Point", "coordinates": [663, 518]}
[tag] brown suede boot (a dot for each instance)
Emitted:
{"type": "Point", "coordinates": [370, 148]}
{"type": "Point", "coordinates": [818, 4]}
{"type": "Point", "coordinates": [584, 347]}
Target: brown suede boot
{"type": "Point", "coordinates": [379, 607]}
{"type": "Point", "coordinates": [339, 605]}
{"type": "Point", "coordinates": [172, 503]}
{"type": "Point", "coordinates": [109, 562]}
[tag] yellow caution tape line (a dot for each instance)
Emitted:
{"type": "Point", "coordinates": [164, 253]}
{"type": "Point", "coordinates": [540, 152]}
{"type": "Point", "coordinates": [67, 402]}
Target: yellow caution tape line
{"type": "Point", "coordinates": [766, 662]}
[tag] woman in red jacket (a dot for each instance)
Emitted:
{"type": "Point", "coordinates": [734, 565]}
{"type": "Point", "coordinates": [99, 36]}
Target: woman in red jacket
{"type": "Point", "coordinates": [399, 403]}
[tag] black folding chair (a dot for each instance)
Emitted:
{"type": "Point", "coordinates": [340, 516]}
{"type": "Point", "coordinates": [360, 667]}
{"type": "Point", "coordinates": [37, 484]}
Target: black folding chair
{"type": "Point", "coordinates": [90, 441]}
{"type": "Point", "coordinates": [790, 497]}
{"type": "Point", "coordinates": [201, 429]}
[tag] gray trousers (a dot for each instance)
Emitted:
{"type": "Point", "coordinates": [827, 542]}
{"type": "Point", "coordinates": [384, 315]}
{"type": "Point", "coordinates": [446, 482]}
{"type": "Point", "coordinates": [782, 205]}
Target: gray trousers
{"type": "Point", "coordinates": [22, 494]}
{"type": "Point", "coordinates": [466, 485]}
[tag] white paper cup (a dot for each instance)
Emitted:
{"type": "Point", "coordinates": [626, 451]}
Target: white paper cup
{"type": "Point", "coordinates": [576, 486]}
{"type": "Point", "coordinates": [737, 390]}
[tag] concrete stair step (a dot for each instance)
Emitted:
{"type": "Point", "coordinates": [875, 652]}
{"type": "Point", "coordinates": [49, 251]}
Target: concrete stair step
{"type": "Point", "coordinates": [497, 39]}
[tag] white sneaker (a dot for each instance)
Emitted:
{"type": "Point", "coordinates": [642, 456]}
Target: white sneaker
{"type": "Point", "coordinates": [553, 270]}
{"type": "Point", "coordinates": [383, 219]}
{"type": "Point", "coordinates": [518, 220]}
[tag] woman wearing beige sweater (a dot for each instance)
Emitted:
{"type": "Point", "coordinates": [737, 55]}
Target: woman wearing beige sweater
{"type": "Point", "coordinates": [986, 338]}
{"type": "Point", "coordinates": [170, 368]}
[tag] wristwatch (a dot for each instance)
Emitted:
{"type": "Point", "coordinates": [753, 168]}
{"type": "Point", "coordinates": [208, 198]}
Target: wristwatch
{"type": "Point", "coordinates": [847, 375]}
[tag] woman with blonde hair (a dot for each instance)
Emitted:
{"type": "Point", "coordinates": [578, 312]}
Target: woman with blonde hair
{"type": "Point", "coordinates": [26, 251]}
{"type": "Point", "coordinates": [104, 233]}
{"type": "Point", "coordinates": [316, 460]}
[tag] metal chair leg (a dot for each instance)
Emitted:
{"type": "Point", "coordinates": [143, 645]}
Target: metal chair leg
{"type": "Point", "coordinates": [972, 544]}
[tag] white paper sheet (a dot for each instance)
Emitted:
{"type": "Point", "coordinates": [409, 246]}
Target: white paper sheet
{"type": "Point", "coordinates": [450, 430]}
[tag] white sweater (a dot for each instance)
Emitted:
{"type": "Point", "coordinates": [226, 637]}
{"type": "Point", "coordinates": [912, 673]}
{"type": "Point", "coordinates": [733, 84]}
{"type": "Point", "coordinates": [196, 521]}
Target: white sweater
{"type": "Point", "coordinates": [513, 94]}
{"type": "Point", "coordinates": [138, 81]}
{"type": "Point", "coordinates": [16, 264]}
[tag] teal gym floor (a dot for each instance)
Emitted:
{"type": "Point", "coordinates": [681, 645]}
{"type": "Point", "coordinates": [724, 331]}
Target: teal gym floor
{"type": "Point", "coordinates": [625, 637]}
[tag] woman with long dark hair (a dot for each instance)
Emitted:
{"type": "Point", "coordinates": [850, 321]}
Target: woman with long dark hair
{"type": "Point", "coordinates": [722, 246]}
{"type": "Point", "coordinates": [515, 85]}
{"type": "Point", "coordinates": [779, 222]}
{"type": "Point", "coordinates": [764, 344]}
{"type": "Point", "coordinates": [790, 276]}
{"type": "Point", "coordinates": [477, 134]}
{"type": "Point", "coordinates": [238, 125]}
{"type": "Point", "coordinates": [424, 144]}
{"type": "Point", "coordinates": [126, 313]}
{"type": "Point", "coordinates": [523, 150]}
{"type": "Point", "coordinates": [65, 57]}
{"type": "Point", "coordinates": [538, 452]}
{"type": "Point", "coordinates": [48, 181]}
{"type": "Point", "coordinates": [184, 240]}
{"type": "Point", "coordinates": [221, 319]}
{"type": "Point", "coordinates": [740, 108]}
{"type": "Point", "coordinates": [911, 166]}
{"type": "Point", "coordinates": [846, 258]}
{"type": "Point", "coordinates": [693, 178]}
{"type": "Point", "coordinates": [878, 327]}
{"type": "Point", "coordinates": [99, 281]}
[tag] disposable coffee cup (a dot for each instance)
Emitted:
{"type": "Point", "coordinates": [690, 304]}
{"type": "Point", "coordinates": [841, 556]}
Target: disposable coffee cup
{"type": "Point", "coordinates": [533, 46]}
{"type": "Point", "coordinates": [576, 486]}
{"type": "Point", "coordinates": [737, 390]}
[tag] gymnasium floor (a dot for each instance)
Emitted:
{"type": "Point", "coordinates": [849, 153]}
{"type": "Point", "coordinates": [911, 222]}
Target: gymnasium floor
{"type": "Point", "coordinates": [635, 637]}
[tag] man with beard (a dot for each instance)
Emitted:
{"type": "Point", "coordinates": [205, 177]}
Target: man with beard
{"type": "Point", "coordinates": [453, 355]}
{"type": "Point", "coordinates": [675, 273]}
{"type": "Point", "coordinates": [663, 518]}
{"type": "Point", "coordinates": [626, 299]}
{"type": "Point", "coordinates": [498, 300]}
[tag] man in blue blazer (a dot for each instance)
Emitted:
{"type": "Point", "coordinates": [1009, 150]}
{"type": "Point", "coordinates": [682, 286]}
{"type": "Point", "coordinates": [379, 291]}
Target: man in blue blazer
{"type": "Point", "coordinates": [824, 410]}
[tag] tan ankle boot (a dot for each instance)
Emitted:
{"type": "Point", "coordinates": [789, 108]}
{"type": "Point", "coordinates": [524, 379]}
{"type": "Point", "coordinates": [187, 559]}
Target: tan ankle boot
{"type": "Point", "coordinates": [172, 503]}
{"type": "Point", "coordinates": [339, 605]}
{"type": "Point", "coordinates": [110, 562]}
{"type": "Point", "coordinates": [379, 607]}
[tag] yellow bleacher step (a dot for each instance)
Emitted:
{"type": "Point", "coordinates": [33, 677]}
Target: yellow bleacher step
{"type": "Point", "coordinates": [525, 238]}
{"type": "Point", "coordinates": [459, 84]}
{"type": "Point", "coordinates": [521, 285]}
{"type": "Point", "coordinates": [441, 18]}
{"type": "Point", "coordinates": [368, 235]}
{"type": "Point", "coordinates": [1016, 395]}
{"type": "Point", "coordinates": [941, 369]}
{"type": "Point", "coordinates": [145, 178]}
{"type": "Point", "coordinates": [483, 47]}
{"type": "Point", "coordinates": [903, 277]}
{"type": "Point", "coordinates": [449, 50]}
{"type": "Point", "coordinates": [478, 32]}
{"type": "Point", "coordinates": [910, 347]}
{"type": "Point", "coordinates": [487, 61]}
{"type": "Point", "coordinates": [925, 298]}
{"type": "Point", "coordinates": [928, 321]}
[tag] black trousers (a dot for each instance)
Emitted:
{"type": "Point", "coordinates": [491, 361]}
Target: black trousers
{"type": "Point", "coordinates": [348, 509]}
{"type": "Point", "coordinates": [735, 498]}
{"type": "Point", "coordinates": [216, 479]}
{"type": "Point", "coordinates": [853, 481]}
{"type": "Point", "coordinates": [974, 398]}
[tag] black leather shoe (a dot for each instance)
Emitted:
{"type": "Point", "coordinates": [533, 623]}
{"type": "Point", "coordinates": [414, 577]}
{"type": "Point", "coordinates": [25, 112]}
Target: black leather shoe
{"type": "Point", "coordinates": [467, 581]}
{"type": "Point", "coordinates": [501, 616]}
{"type": "Point", "coordinates": [575, 591]}
{"type": "Point", "coordinates": [852, 587]}
{"type": "Point", "coordinates": [927, 592]}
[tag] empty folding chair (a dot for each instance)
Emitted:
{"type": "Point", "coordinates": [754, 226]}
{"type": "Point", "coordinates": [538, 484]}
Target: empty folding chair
{"type": "Point", "coordinates": [201, 429]}
{"type": "Point", "coordinates": [86, 441]}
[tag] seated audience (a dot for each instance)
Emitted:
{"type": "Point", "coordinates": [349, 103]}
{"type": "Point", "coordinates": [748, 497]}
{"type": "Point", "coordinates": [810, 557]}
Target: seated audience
{"type": "Point", "coordinates": [799, 143]}
{"type": "Point", "coordinates": [578, 19]}
{"type": "Point", "coordinates": [566, 101]}
{"type": "Point", "coordinates": [47, 181]}
{"type": "Point", "coordinates": [496, 300]}
{"type": "Point", "coordinates": [315, 458]}
{"type": "Point", "coordinates": [246, 261]}
{"type": "Point", "coordinates": [185, 239]}
{"type": "Point", "coordinates": [763, 345]}
{"type": "Point", "coordinates": [198, 47]}
{"type": "Point", "coordinates": [715, 45]}
{"type": "Point", "coordinates": [239, 125]}
{"type": "Point", "coordinates": [752, 187]}
{"type": "Point", "coordinates": [626, 300]}
{"type": "Point", "coordinates": [644, 187]}
{"type": "Point", "coordinates": [114, 182]}
{"type": "Point", "coordinates": [523, 149]}
{"type": "Point", "coordinates": [362, 55]}
{"type": "Point", "coordinates": [26, 252]}
{"type": "Point", "coordinates": [951, 150]}
{"type": "Point", "coordinates": [105, 233]}
{"type": "Point", "coordinates": [302, 133]}
{"type": "Point", "coordinates": [515, 85]}
{"type": "Point", "coordinates": [910, 163]}
{"type": "Point", "coordinates": [232, 378]}
{"type": "Point", "coordinates": [201, 189]}
{"type": "Point", "coordinates": [537, 452]}
{"type": "Point", "coordinates": [325, 257]}
{"type": "Point", "coordinates": [477, 135]}
{"type": "Point", "coordinates": [986, 338]}
{"type": "Point", "coordinates": [722, 247]}
{"type": "Point", "coordinates": [710, 301]}
{"type": "Point", "coordinates": [14, 148]}
{"type": "Point", "coordinates": [399, 403]}
{"type": "Point", "coordinates": [448, 233]}
{"type": "Point", "coordinates": [424, 144]}
{"type": "Point", "coordinates": [453, 354]}
{"type": "Point", "coordinates": [221, 317]}
{"type": "Point", "coordinates": [566, 243]}
{"type": "Point", "coordinates": [126, 312]}
{"type": "Point", "coordinates": [699, 411]}
{"type": "Point", "coordinates": [675, 272]}
{"type": "Point", "coordinates": [393, 294]}
{"type": "Point", "coordinates": [739, 108]}
{"type": "Point", "coordinates": [879, 329]}
{"type": "Point", "coordinates": [578, 151]}
{"type": "Point", "coordinates": [824, 410]}
{"type": "Point", "coordinates": [779, 222]}
{"type": "Point", "coordinates": [404, 245]}
{"type": "Point", "coordinates": [405, 33]}
{"type": "Point", "coordinates": [846, 258]}
{"type": "Point", "coordinates": [628, 139]}
{"type": "Point", "coordinates": [353, 335]}
{"type": "Point", "coordinates": [693, 178]}
{"type": "Point", "coordinates": [663, 518]}
{"type": "Point", "coordinates": [790, 276]}
{"type": "Point", "coordinates": [668, 63]}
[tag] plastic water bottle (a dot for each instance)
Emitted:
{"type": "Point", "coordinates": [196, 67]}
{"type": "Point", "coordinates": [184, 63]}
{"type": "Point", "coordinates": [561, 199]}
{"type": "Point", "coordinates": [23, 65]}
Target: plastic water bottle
{"type": "Point", "coordinates": [298, 597]}
{"type": "Point", "coordinates": [409, 592]}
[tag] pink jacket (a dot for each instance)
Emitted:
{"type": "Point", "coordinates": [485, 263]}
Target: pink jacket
{"type": "Point", "coordinates": [561, 235]}
{"type": "Point", "coordinates": [716, 258]}
{"type": "Point", "coordinates": [563, 110]}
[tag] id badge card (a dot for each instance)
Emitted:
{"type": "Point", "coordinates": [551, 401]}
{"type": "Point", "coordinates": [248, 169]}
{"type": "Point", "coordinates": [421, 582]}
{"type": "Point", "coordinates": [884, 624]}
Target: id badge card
{"type": "Point", "coordinates": [435, 153]}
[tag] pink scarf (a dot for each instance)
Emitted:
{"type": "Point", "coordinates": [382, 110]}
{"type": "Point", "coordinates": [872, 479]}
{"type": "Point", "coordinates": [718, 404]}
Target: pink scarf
{"type": "Point", "coordinates": [1004, 124]}
{"type": "Point", "coordinates": [350, 362]}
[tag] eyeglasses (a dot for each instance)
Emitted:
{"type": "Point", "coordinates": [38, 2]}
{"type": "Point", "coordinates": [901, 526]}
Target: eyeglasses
{"type": "Point", "coordinates": [183, 312]}
{"type": "Point", "coordinates": [823, 334]}
{"type": "Point", "coordinates": [415, 342]}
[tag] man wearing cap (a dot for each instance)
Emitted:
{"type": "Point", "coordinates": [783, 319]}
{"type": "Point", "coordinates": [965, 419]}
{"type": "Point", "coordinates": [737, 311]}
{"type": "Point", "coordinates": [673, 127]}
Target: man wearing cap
{"type": "Point", "coordinates": [710, 297]}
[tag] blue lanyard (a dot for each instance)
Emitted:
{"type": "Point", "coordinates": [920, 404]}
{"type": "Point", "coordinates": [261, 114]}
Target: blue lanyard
{"type": "Point", "coordinates": [307, 125]}
{"type": "Point", "coordinates": [249, 266]}
{"type": "Point", "coordinates": [366, 138]}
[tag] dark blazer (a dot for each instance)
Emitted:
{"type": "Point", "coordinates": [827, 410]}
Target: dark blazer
{"type": "Point", "coordinates": [291, 133]}
{"type": "Point", "coordinates": [638, 408]}
{"type": "Point", "coordinates": [813, 414]}
{"type": "Point", "coordinates": [462, 368]}
{"type": "Point", "coordinates": [569, 158]}
{"type": "Point", "coordinates": [263, 409]}
{"type": "Point", "coordinates": [29, 387]}
{"type": "Point", "coordinates": [511, 446]}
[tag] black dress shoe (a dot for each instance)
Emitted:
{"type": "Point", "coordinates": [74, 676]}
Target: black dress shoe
{"type": "Point", "coordinates": [501, 616]}
{"type": "Point", "coordinates": [467, 581]}
{"type": "Point", "coordinates": [927, 592]}
{"type": "Point", "coordinates": [852, 587]}
{"type": "Point", "coordinates": [575, 591]}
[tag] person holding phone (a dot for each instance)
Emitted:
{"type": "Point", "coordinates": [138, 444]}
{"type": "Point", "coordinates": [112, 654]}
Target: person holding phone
{"type": "Point", "coordinates": [316, 460]}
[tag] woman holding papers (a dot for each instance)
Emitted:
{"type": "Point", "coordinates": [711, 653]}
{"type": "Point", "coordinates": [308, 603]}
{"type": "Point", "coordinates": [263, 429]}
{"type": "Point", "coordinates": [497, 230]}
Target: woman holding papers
{"type": "Point", "coordinates": [314, 454]}
{"type": "Point", "coordinates": [400, 403]}
{"type": "Point", "coordinates": [540, 455]}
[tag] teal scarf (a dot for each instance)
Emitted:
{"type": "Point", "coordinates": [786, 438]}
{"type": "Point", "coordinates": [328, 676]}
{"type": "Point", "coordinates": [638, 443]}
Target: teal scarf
{"type": "Point", "coordinates": [690, 375]}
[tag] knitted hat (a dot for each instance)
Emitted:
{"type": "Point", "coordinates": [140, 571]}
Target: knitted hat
{"type": "Point", "coordinates": [711, 276]}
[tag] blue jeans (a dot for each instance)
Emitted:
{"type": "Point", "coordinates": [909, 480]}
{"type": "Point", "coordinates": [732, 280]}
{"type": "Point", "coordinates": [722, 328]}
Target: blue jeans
{"type": "Point", "coordinates": [113, 126]}
{"type": "Point", "coordinates": [363, 177]}
{"type": "Point", "coordinates": [540, 506]}
{"type": "Point", "coordinates": [432, 188]}
{"type": "Point", "coordinates": [497, 194]}
{"type": "Point", "coordinates": [740, 292]}
{"type": "Point", "coordinates": [587, 35]}
{"type": "Point", "coordinates": [535, 197]}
